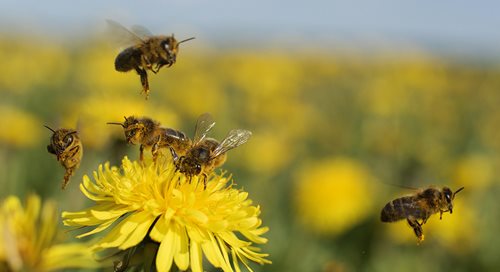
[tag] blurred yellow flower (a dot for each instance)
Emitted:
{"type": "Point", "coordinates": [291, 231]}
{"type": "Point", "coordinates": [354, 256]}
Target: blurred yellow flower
{"type": "Point", "coordinates": [186, 220]}
{"type": "Point", "coordinates": [263, 74]}
{"type": "Point", "coordinates": [31, 64]}
{"type": "Point", "coordinates": [332, 196]}
{"type": "Point", "coordinates": [95, 69]}
{"type": "Point", "coordinates": [268, 153]}
{"type": "Point", "coordinates": [474, 171]}
{"type": "Point", "coordinates": [27, 239]}
{"type": "Point", "coordinates": [20, 129]}
{"type": "Point", "coordinates": [457, 231]}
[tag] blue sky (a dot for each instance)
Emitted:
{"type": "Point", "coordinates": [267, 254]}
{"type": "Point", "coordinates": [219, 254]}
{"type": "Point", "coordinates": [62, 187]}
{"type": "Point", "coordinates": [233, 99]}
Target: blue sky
{"type": "Point", "coordinates": [467, 24]}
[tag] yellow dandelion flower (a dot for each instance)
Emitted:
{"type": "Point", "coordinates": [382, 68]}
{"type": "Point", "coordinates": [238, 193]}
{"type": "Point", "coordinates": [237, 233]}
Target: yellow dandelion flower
{"type": "Point", "coordinates": [24, 129]}
{"type": "Point", "coordinates": [27, 239]}
{"type": "Point", "coordinates": [153, 202]}
{"type": "Point", "coordinates": [332, 196]}
{"type": "Point", "coordinates": [475, 171]}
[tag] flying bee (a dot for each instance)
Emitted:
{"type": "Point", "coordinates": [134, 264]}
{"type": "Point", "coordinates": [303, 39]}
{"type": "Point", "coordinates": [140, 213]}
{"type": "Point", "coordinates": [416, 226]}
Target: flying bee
{"type": "Point", "coordinates": [206, 154]}
{"type": "Point", "coordinates": [68, 148]}
{"type": "Point", "coordinates": [420, 206]}
{"type": "Point", "coordinates": [149, 134]}
{"type": "Point", "coordinates": [148, 52]}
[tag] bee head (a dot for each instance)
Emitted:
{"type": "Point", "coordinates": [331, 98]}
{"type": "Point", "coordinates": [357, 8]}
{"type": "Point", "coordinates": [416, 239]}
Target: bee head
{"type": "Point", "coordinates": [449, 196]}
{"type": "Point", "coordinates": [132, 129]}
{"type": "Point", "coordinates": [188, 165]}
{"type": "Point", "coordinates": [171, 46]}
{"type": "Point", "coordinates": [61, 140]}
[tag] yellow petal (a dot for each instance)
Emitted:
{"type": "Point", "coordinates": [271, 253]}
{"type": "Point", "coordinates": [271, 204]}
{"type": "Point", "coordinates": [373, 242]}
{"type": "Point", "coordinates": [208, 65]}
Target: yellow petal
{"type": "Point", "coordinates": [235, 261]}
{"type": "Point", "coordinates": [83, 218]}
{"type": "Point", "coordinates": [196, 234]}
{"type": "Point", "coordinates": [108, 211]}
{"type": "Point", "coordinates": [140, 232]}
{"type": "Point", "coordinates": [68, 256]}
{"type": "Point", "coordinates": [195, 256]}
{"type": "Point", "coordinates": [33, 204]}
{"type": "Point", "coordinates": [119, 234]}
{"type": "Point", "coordinates": [182, 257]}
{"type": "Point", "coordinates": [98, 229]}
{"type": "Point", "coordinates": [159, 230]}
{"type": "Point", "coordinates": [223, 249]}
{"type": "Point", "coordinates": [168, 248]}
{"type": "Point", "coordinates": [232, 239]}
{"type": "Point", "coordinates": [211, 253]}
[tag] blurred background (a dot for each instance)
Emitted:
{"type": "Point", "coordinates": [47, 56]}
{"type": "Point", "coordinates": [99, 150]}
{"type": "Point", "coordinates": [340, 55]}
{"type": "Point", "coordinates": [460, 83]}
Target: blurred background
{"type": "Point", "coordinates": [348, 103]}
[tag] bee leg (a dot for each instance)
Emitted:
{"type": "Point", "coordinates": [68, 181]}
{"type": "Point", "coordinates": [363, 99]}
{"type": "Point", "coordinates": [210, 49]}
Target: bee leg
{"type": "Point", "coordinates": [204, 178]}
{"type": "Point", "coordinates": [175, 157]}
{"type": "Point", "coordinates": [158, 67]}
{"type": "Point", "coordinates": [144, 80]}
{"type": "Point", "coordinates": [141, 153]}
{"type": "Point", "coordinates": [417, 228]}
{"type": "Point", "coordinates": [146, 63]}
{"type": "Point", "coordinates": [122, 265]}
{"type": "Point", "coordinates": [154, 152]}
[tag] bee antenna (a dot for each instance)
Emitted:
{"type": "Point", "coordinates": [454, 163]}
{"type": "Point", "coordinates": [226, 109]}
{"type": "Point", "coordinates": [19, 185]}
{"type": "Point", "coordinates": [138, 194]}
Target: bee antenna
{"type": "Point", "coordinates": [49, 128]}
{"type": "Point", "coordinates": [116, 123]}
{"type": "Point", "coordinates": [457, 191]}
{"type": "Point", "coordinates": [188, 39]}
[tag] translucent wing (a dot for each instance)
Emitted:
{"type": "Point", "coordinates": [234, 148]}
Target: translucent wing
{"type": "Point", "coordinates": [234, 138]}
{"type": "Point", "coordinates": [204, 124]}
{"type": "Point", "coordinates": [141, 31]}
{"type": "Point", "coordinates": [121, 35]}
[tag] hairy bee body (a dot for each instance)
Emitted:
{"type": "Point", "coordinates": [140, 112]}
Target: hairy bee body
{"type": "Point", "coordinates": [175, 139]}
{"type": "Point", "coordinates": [147, 53]}
{"type": "Point", "coordinates": [199, 158]}
{"type": "Point", "coordinates": [206, 154]}
{"type": "Point", "coordinates": [148, 133]}
{"type": "Point", "coordinates": [419, 207]}
{"type": "Point", "coordinates": [128, 59]}
{"type": "Point", "coordinates": [68, 148]}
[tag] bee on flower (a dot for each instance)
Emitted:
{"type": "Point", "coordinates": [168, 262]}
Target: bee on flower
{"type": "Point", "coordinates": [152, 210]}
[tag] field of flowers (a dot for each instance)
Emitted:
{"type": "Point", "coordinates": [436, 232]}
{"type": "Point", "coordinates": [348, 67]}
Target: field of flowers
{"type": "Point", "coordinates": [333, 132]}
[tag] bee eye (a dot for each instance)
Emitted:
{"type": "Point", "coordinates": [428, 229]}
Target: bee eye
{"type": "Point", "coordinates": [131, 133]}
{"type": "Point", "coordinates": [167, 47]}
{"type": "Point", "coordinates": [68, 139]}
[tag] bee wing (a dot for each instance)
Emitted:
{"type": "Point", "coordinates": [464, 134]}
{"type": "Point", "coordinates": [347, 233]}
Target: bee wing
{"type": "Point", "coordinates": [234, 138]}
{"type": "Point", "coordinates": [141, 31]}
{"type": "Point", "coordinates": [122, 35]}
{"type": "Point", "coordinates": [204, 124]}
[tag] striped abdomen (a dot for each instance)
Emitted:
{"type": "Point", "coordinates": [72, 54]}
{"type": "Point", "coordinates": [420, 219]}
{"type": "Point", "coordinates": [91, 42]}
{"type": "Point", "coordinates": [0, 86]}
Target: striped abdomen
{"type": "Point", "coordinates": [402, 208]}
{"type": "Point", "coordinates": [128, 59]}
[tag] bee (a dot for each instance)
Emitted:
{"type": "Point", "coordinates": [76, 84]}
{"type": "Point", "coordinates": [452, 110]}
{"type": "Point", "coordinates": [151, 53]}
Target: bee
{"type": "Point", "coordinates": [206, 154]}
{"type": "Point", "coordinates": [148, 52]}
{"type": "Point", "coordinates": [149, 134]}
{"type": "Point", "coordinates": [420, 206]}
{"type": "Point", "coordinates": [68, 148]}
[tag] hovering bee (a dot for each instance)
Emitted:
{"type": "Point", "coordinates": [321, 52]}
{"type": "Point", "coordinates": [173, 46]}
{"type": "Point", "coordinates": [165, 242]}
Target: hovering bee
{"type": "Point", "coordinates": [149, 134]}
{"type": "Point", "coordinates": [66, 145]}
{"type": "Point", "coordinates": [148, 52]}
{"type": "Point", "coordinates": [206, 154]}
{"type": "Point", "coordinates": [420, 206]}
